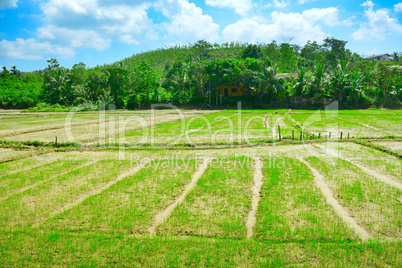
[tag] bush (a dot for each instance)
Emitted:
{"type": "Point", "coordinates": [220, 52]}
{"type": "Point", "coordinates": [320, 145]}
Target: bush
{"type": "Point", "coordinates": [134, 101]}
{"type": "Point", "coordinates": [19, 91]}
{"type": "Point", "coordinates": [46, 107]}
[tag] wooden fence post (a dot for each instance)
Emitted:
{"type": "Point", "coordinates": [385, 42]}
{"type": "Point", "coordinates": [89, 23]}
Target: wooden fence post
{"type": "Point", "coordinates": [279, 132]}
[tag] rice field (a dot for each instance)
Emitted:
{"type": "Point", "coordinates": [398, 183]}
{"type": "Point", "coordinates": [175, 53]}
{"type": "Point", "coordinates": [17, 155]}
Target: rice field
{"type": "Point", "coordinates": [212, 188]}
{"type": "Point", "coordinates": [85, 127]}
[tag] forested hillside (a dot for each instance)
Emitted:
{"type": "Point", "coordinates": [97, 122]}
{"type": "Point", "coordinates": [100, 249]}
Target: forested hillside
{"type": "Point", "coordinates": [190, 74]}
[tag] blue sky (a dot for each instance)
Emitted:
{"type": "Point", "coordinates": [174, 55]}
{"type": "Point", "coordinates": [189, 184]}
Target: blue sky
{"type": "Point", "coordinates": [104, 31]}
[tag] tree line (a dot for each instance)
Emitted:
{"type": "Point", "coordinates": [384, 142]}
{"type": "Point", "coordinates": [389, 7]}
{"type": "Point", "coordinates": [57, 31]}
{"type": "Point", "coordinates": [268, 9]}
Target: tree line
{"type": "Point", "coordinates": [191, 74]}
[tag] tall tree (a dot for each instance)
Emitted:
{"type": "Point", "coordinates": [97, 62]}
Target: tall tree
{"type": "Point", "coordinates": [335, 45]}
{"type": "Point", "coordinates": [56, 86]}
{"type": "Point", "coordinates": [335, 50]}
{"type": "Point", "coordinates": [145, 80]}
{"type": "Point", "coordinates": [118, 82]}
{"type": "Point", "coordinates": [268, 80]}
{"type": "Point", "coordinates": [317, 81]}
{"type": "Point", "coordinates": [251, 51]}
{"type": "Point", "coordinates": [288, 62]}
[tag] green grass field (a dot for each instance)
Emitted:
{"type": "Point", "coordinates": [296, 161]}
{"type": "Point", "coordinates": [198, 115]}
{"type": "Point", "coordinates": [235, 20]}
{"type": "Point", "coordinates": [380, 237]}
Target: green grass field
{"type": "Point", "coordinates": [209, 188]}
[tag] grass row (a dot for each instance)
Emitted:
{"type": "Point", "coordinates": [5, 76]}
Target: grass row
{"type": "Point", "coordinates": [292, 207]}
{"type": "Point", "coordinates": [375, 159]}
{"type": "Point", "coordinates": [294, 224]}
{"type": "Point", "coordinates": [219, 204]}
{"type": "Point", "coordinates": [38, 203]}
{"type": "Point", "coordinates": [26, 247]}
{"type": "Point", "coordinates": [130, 205]}
{"type": "Point", "coordinates": [375, 205]}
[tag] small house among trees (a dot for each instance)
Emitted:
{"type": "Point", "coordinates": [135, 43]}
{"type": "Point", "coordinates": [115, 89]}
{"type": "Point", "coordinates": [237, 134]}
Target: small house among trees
{"type": "Point", "coordinates": [381, 57]}
{"type": "Point", "coordinates": [230, 91]}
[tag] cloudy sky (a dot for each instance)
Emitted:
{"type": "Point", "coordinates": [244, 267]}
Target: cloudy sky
{"type": "Point", "coordinates": [104, 31]}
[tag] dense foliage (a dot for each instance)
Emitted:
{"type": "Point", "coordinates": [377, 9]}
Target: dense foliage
{"type": "Point", "coordinates": [19, 90]}
{"type": "Point", "coordinates": [191, 74]}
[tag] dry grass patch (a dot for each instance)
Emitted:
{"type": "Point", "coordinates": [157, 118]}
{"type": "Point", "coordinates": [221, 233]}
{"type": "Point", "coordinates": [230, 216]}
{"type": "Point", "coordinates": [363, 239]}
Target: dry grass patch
{"type": "Point", "coordinates": [325, 122]}
{"type": "Point", "coordinates": [10, 155]}
{"type": "Point", "coordinates": [36, 204]}
{"type": "Point", "coordinates": [395, 146]}
{"type": "Point", "coordinates": [21, 165]}
{"type": "Point", "coordinates": [219, 204]}
{"type": "Point", "coordinates": [374, 204]}
{"type": "Point", "coordinates": [18, 180]}
{"type": "Point", "coordinates": [374, 159]}
{"type": "Point", "coordinates": [130, 206]}
{"type": "Point", "coordinates": [292, 207]}
{"type": "Point", "coordinates": [86, 127]}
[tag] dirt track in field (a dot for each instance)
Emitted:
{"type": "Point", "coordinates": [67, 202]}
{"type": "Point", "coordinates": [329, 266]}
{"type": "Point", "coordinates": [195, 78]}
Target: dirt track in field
{"type": "Point", "coordinates": [256, 190]}
{"type": "Point", "coordinates": [340, 210]}
{"type": "Point", "coordinates": [162, 216]}
{"type": "Point", "coordinates": [381, 177]}
{"type": "Point", "coordinates": [36, 184]}
{"type": "Point", "coordinates": [91, 193]}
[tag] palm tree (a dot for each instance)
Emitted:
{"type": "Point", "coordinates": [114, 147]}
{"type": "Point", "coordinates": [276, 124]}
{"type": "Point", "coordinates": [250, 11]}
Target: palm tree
{"type": "Point", "coordinates": [59, 84]}
{"type": "Point", "coordinates": [181, 80]}
{"type": "Point", "coordinates": [268, 81]}
{"type": "Point", "coordinates": [301, 82]}
{"type": "Point", "coordinates": [347, 83]}
{"type": "Point", "coordinates": [318, 80]}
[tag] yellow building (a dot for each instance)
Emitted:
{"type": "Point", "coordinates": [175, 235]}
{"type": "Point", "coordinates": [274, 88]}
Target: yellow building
{"type": "Point", "coordinates": [230, 91]}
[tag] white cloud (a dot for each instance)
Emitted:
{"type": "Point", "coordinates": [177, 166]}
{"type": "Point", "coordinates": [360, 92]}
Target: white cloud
{"type": "Point", "coordinates": [86, 23]}
{"type": "Point", "coordinates": [368, 4]}
{"type": "Point", "coordinates": [398, 7]}
{"type": "Point", "coordinates": [74, 38]}
{"type": "Point", "coordinates": [280, 4]}
{"type": "Point", "coordinates": [241, 7]}
{"type": "Point", "coordinates": [329, 16]}
{"type": "Point", "coordinates": [305, 1]}
{"type": "Point", "coordinates": [8, 3]}
{"type": "Point", "coordinates": [188, 22]}
{"type": "Point", "coordinates": [30, 49]}
{"type": "Point", "coordinates": [97, 23]}
{"type": "Point", "coordinates": [379, 24]}
{"type": "Point", "coordinates": [128, 39]}
{"type": "Point", "coordinates": [302, 26]}
{"type": "Point", "coordinates": [277, 4]}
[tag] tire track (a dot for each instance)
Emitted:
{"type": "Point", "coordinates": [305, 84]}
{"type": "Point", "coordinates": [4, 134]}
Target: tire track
{"type": "Point", "coordinates": [256, 190]}
{"type": "Point", "coordinates": [273, 128]}
{"type": "Point", "coordinates": [339, 209]}
{"type": "Point", "coordinates": [28, 187]}
{"type": "Point", "coordinates": [265, 122]}
{"type": "Point", "coordinates": [366, 125]}
{"type": "Point", "coordinates": [90, 194]}
{"type": "Point", "coordinates": [90, 142]}
{"type": "Point", "coordinates": [381, 177]}
{"type": "Point", "coordinates": [200, 128]}
{"type": "Point", "coordinates": [165, 214]}
{"type": "Point", "coordinates": [34, 130]}
{"type": "Point", "coordinates": [39, 164]}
